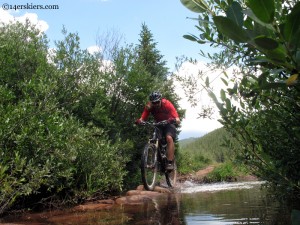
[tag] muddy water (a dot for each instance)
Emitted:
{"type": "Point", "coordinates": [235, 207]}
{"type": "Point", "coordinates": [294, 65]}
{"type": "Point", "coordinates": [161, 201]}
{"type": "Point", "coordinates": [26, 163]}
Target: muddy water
{"type": "Point", "coordinates": [216, 204]}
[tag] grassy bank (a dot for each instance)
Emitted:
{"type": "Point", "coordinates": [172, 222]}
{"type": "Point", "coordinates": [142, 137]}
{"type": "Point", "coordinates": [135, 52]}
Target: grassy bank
{"type": "Point", "coordinates": [215, 149]}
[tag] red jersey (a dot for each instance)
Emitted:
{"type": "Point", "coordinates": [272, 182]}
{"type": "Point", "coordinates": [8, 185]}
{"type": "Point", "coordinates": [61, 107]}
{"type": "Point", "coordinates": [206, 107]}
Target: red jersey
{"type": "Point", "coordinates": [166, 111]}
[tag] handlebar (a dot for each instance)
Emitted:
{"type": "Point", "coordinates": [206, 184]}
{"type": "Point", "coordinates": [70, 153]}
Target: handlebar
{"type": "Point", "coordinates": [154, 124]}
{"type": "Point", "coordinates": [161, 123]}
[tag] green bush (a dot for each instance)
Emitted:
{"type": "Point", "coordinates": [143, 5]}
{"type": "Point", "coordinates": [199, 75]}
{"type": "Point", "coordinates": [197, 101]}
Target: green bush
{"type": "Point", "coordinates": [188, 162]}
{"type": "Point", "coordinates": [226, 172]}
{"type": "Point", "coordinates": [260, 105]}
{"type": "Point", "coordinates": [44, 148]}
{"type": "Point", "coordinates": [65, 123]}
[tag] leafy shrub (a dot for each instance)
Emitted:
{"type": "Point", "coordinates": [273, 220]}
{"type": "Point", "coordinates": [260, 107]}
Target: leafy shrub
{"type": "Point", "coordinates": [227, 172]}
{"type": "Point", "coordinates": [188, 162]}
{"type": "Point", "coordinates": [260, 104]}
{"type": "Point", "coordinates": [65, 123]}
{"type": "Point", "coordinates": [44, 149]}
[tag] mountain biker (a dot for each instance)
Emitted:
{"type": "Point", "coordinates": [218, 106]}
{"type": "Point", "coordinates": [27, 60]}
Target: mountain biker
{"type": "Point", "coordinates": [162, 109]}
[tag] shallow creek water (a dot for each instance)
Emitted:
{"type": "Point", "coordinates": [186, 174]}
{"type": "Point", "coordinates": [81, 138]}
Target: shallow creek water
{"type": "Point", "coordinates": [208, 204]}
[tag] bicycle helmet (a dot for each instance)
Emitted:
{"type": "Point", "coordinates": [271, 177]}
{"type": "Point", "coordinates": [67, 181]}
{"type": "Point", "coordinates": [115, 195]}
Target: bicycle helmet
{"type": "Point", "coordinates": [155, 96]}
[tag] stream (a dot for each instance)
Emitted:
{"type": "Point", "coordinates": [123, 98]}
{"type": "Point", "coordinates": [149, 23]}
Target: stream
{"type": "Point", "coordinates": [206, 204]}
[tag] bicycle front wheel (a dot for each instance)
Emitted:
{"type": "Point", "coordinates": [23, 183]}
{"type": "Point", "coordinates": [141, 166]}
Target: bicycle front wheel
{"type": "Point", "coordinates": [149, 166]}
{"type": "Point", "coordinates": [171, 176]}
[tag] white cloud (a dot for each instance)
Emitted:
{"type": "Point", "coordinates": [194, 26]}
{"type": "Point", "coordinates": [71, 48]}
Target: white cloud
{"type": "Point", "coordinates": [192, 124]}
{"type": "Point", "coordinates": [7, 17]}
{"type": "Point", "coordinates": [94, 49]}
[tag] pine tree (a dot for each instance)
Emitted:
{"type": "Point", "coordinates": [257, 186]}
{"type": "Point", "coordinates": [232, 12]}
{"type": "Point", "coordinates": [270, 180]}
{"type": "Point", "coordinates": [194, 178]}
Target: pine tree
{"type": "Point", "coordinates": [150, 56]}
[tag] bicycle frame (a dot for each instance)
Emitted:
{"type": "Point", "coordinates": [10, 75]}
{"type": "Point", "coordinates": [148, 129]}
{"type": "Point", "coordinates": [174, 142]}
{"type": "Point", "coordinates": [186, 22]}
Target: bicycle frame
{"type": "Point", "coordinates": [154, 158]}
{"type": "Point", "coordinates": [158, 140]}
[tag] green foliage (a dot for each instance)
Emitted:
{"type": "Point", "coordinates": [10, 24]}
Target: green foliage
{"type": "Point", "coordinates": [190, 162]}
{"type": "Point", "coordinates": [66, 126]}
{"type": "Point", "coordinates": [215, 147]}
{"type": "Point", "coordinates": [98, 158]}
{"type": "Point", "coordinates": [260, 106]}
{"type": "Point", "coordinates": [226, 172]}
{"type": "Point", "coordinates": [150, 56]}
{"type": "Point", "coordinates": [45, 150]}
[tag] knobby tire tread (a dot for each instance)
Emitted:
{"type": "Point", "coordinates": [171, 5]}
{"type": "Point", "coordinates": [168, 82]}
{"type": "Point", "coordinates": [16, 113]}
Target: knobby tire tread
{"type": "Point", "coordinates": [148, 147]}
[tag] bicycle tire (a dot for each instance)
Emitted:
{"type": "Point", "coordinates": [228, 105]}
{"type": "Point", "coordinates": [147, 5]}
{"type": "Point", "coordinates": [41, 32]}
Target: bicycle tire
{"type": "Point", "coordinates": [149, 166]}
{"type": "Point", "coordinates": [171, 176]}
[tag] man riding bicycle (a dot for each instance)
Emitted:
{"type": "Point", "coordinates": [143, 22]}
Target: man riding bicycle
{"type": "Point", "coordinates": [163, 109]}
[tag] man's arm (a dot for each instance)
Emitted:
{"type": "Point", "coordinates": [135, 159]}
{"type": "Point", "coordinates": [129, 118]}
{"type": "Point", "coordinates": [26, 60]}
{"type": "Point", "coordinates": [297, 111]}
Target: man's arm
{"type": "Point", "coordinates": [144, 116]}
{"type": "Point", "coordinates": [146, 112]}
{"type": "Point", "coordinates": [173, 113]}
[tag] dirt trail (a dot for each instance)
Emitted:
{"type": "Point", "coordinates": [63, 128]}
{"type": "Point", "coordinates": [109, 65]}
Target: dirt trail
{"type": "Point", "coordinates": [198, 176]}
{"type": "Point", "coordinates": [202, 173]}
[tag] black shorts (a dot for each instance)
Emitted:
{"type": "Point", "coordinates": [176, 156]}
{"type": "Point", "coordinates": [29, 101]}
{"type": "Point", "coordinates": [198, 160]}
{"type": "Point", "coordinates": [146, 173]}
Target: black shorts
{"type": "Point", "coordinates": [169, 129]}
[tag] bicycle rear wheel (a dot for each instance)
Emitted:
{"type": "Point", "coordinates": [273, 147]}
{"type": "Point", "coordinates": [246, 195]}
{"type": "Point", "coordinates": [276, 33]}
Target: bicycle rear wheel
{"type": "Point", "coordinates": [149, 166]}
{"type": "Point", "coordinates": [171, 176]}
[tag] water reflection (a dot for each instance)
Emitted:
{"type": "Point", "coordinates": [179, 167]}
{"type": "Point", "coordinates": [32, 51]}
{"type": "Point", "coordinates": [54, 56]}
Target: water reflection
{"type": "Point", "coordinates": [221, 204]}
{"type": "Point", "coordinates": [163, 210]}
{"type": "Point", "coordinates": [248, 205]}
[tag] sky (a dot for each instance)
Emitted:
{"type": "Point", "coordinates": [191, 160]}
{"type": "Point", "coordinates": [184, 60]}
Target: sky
{"type": "Point", "coordinates": [166, 19]}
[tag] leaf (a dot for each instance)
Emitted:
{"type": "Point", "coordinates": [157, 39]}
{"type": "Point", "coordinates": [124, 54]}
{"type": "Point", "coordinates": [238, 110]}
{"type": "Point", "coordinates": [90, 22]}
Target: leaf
{"type": "Point", "coordinates": [224, 81]}
{"type": "Point", "coordinates": [190, 37]}
{"type": "Point", "coordinates": [228, 104]}
{"type": "Point", "coordinates": [278, 55]}
{"type": "Point", "coordinates": [258, 60]}
{"type": "Point", "coordinates": [292, 80]}
{"type": "Point", "coordinates": [223, 95]}
{"type": "Point", "coordinates": [198, 6]}
{"type": "Point", "coordinates": [201, 42]}
{"type": "Point", "coordinates": [207, 82]}
{"type": "Point", "coordinates": [264, 10]}
{"type": "Point", "coordinates": [227, 27]}
{"type": "Point", "coordinates": [266, 43]}
{"type": "Point", "coordinates": [272, 85]}
{"type": "Point", "coordinates": [297, 57]}
{"type": "Point", "coordinates": [260, 30]}
{"type": "Point", "coordinates": [291, 30]}
{"type": "Point", "coordinates": [251, 15]}
{"type": "Point", "coordinates": [253, 102]}
{"type": "Point", "coordinates": [235, 13]}
{"type": "Point", "coordinates": [262, 79]}
{"type": "Point", "coordinates": [214, 98]}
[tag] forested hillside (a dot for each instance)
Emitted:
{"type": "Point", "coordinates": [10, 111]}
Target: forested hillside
{"type": "Point", "coordinates": [186, 141]}
{"type": "Point", "coordinates": [214, 147]}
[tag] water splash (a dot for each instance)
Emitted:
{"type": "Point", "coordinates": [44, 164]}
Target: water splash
{"type": "Point", "coordinates": [189, 187]}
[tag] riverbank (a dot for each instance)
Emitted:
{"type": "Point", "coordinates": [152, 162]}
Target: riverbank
{"type": "Point", "coordinates": [140, 195]}
{"type": "Point", "coordinates": [158, 207]}
{"type": "Point", "coordinates": [132, 198]}
{"type": "Point", "coordinates": [136, 197]}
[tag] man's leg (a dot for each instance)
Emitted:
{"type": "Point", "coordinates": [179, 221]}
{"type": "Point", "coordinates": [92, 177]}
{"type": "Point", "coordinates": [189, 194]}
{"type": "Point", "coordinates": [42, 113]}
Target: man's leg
{"type": "Point", "coordinates": [170, 148]}
{"type": "Point", "coordinates": [170, 136]}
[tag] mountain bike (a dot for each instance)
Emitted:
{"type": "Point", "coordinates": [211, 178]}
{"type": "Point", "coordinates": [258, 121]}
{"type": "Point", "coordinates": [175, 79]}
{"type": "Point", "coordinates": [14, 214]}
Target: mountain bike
{"type": "Point", "coordinates": [154, 158]}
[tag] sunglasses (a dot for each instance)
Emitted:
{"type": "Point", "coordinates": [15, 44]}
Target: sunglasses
{"type": "Point", "coordinates": [156, 103]}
